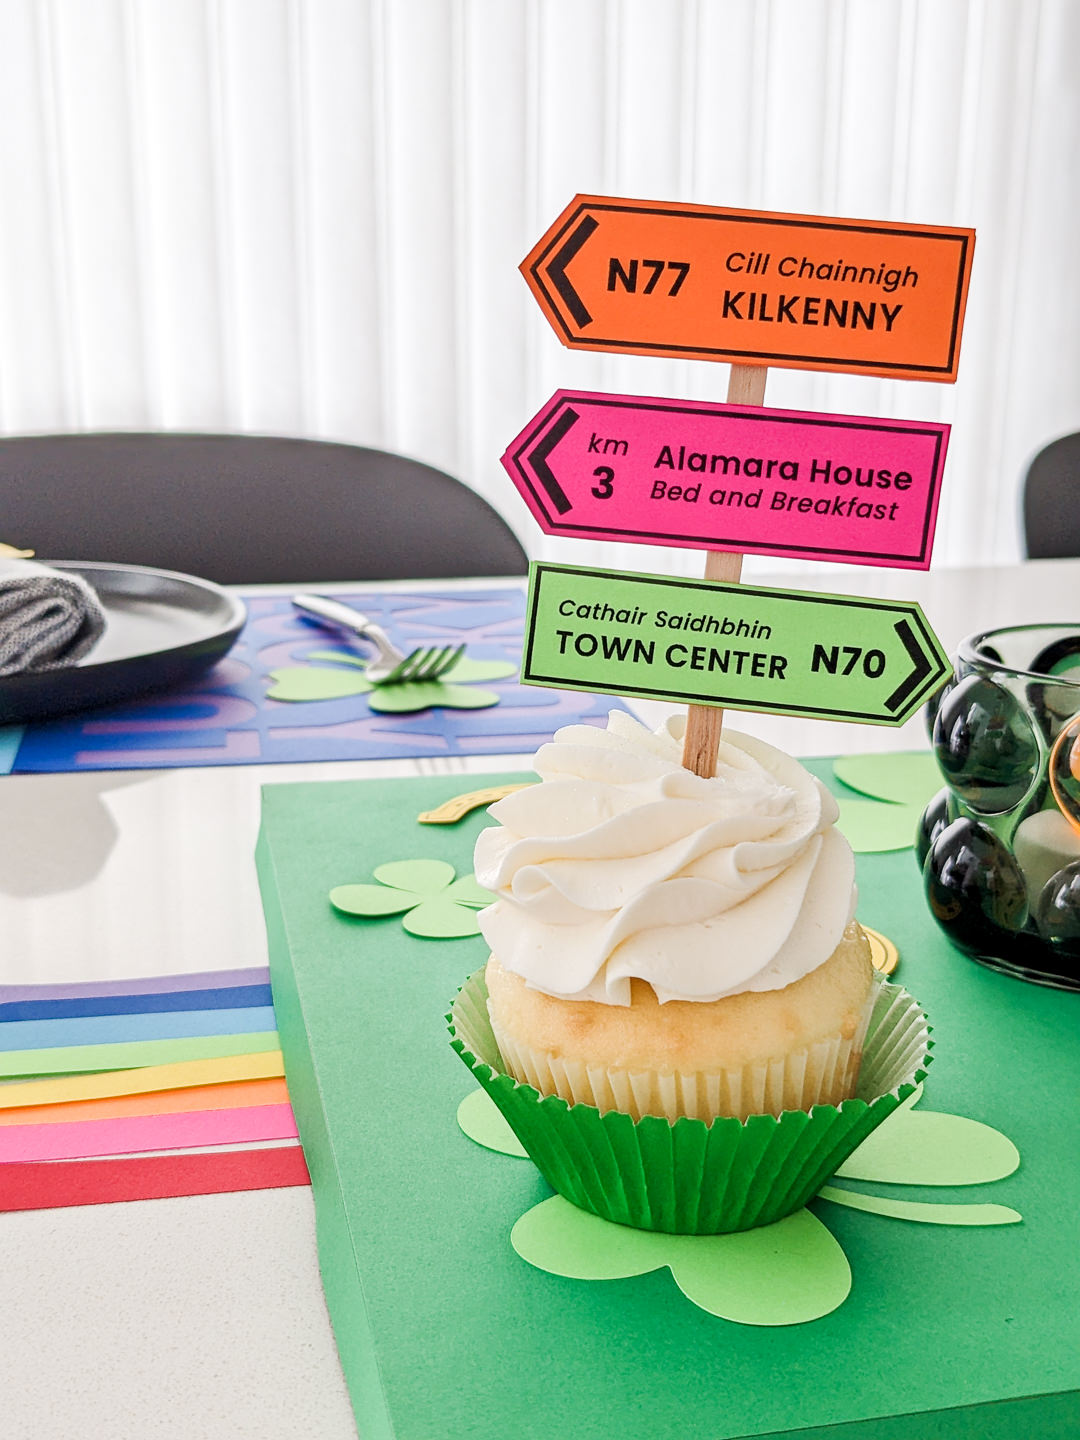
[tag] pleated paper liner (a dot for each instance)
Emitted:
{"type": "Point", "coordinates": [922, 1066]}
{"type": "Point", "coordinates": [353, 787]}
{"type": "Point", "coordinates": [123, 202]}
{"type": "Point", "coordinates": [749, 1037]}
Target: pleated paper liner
{"type": "Point", "coordinates": [687, 1177]}
{"type": "Point", "coordinates": [820, 1074]}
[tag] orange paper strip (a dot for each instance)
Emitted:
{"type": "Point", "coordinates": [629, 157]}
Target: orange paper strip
{"type": "Point", "coordinates": [239, 1095]}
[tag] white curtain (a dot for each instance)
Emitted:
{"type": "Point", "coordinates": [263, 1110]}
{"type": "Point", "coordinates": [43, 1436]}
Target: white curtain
{"type": "Point", "coordinates": [305, 216]}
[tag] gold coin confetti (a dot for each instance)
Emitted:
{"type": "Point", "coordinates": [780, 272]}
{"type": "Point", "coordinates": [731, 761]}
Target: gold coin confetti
{"type": "Point", "coordinates": [883, 952]}
{"type": "Point", "coordinates": [460, 805]}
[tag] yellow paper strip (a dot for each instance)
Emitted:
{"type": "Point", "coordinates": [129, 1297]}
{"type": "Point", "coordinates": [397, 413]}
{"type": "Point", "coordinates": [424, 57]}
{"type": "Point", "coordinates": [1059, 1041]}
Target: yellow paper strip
{"type": "Point", "coordinates": [263, 1065]}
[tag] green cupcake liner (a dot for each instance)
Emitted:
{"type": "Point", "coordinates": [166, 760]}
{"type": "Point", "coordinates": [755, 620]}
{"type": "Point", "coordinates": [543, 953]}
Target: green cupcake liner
{"type": "Point", "coordinates": [686, 1177]}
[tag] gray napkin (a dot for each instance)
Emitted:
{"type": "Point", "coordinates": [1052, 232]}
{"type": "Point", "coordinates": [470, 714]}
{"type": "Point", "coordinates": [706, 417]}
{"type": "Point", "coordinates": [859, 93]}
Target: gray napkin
{"type": "Point", "coordinates": [47, 618]}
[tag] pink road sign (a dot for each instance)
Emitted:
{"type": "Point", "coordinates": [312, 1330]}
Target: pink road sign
{"type": "Point", "coordinates": [732, 477]}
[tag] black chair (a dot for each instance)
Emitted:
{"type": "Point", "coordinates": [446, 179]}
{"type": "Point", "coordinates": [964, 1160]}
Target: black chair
{"type": "Point", "coordinates": [1052, 501]}
{"type": "Point", "coordinates": [247, 509]}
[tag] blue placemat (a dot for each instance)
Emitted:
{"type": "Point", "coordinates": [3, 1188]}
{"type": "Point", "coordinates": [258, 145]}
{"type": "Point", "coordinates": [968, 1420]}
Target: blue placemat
{"type": "Point", "coordinates": [228, 720]}
{"type": "Point", "coordinates": [10, 739]}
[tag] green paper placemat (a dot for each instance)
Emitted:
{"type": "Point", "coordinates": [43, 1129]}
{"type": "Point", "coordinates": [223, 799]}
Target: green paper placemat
{"type": "Point", "coordinates": [445, 1332]}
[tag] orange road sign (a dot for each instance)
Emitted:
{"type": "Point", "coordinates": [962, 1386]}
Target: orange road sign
{"type": "Point", "coordinates": [752, 287]}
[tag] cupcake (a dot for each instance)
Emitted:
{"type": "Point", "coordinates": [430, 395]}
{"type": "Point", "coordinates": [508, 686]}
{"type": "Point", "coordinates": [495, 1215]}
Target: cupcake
{"type": "Point", "coordinates": [674, 1013]}
{"type": "Point", "coordinates": [668, 945]}
{"type": "Point", "coordinates": [754, 1053]}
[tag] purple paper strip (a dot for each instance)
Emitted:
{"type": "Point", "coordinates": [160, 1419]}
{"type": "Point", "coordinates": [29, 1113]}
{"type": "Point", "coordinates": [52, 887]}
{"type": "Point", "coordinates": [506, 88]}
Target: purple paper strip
{"type": "Point", "coordinates": [146, 985]}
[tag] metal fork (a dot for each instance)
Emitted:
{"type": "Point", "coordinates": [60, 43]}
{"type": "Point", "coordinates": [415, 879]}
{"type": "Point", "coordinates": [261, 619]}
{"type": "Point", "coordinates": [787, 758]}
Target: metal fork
{"type": "Point", "coordinates": [391, 666]}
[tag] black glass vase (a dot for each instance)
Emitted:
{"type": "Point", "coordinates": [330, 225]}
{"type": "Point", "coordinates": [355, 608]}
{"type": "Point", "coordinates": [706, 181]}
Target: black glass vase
{"type": "Point", "coordinates": [998, 845]}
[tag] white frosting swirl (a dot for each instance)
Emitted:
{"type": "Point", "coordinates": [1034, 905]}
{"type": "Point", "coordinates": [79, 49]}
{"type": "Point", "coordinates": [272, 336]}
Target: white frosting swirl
{"type": "Point", "coordinates": [623, 864]}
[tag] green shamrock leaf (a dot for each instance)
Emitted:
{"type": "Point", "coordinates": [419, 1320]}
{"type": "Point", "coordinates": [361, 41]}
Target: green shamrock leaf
{"type": "Point", "coordinates": [900, 785]}
{"type": "Point", "coordinates": [429, 695]}
{"type": "Point", "coordinates": [921, 1211]}
{"type": "Point", "coordinates": [794, 1270]}
{"type": "Point", "coordinates": [926, 1147]}
{"type": "Point", "coordinates": [902, 778]}
{"type": "Point", "coordinates": [310, 682]}
{"type": "Point", "coordinates": [483, 1121]}
{"type": "Point", "coordinates": [433, 904]}
{"type": "Point", "coordinates": [870, 827]}
{"type": "Point", "coordinates": [456, 690]}
{"type": "Point", "coordinates": [782, 1274]}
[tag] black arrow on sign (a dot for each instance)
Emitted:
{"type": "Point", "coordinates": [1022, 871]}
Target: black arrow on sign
{"type": "Point", "coordinates": [917, 676]}
{"type": "Point", "coordinates": [537, 458]}
{"type": "Point", "coordinates": [557, 271]}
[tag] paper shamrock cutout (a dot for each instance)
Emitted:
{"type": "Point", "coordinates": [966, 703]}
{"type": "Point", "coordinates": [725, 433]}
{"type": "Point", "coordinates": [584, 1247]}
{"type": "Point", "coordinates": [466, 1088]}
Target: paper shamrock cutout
{"type": "Point", "coordinates": [928, 1147]}
{"type": "Point", "coordinates": [432, 903]}
{"type": "Point", "coordinates": [871, 828]}
{"type": "Point", "coordinates": [483, 1121]}
{"type": "Point", "coordinates": [455, 690]}
{"type": "Point", "coordinates": [900, 786]}
{"type": "Point", "coordinates": [903, 778]}
{"type": "Point", "coordinates": [783, 1274]}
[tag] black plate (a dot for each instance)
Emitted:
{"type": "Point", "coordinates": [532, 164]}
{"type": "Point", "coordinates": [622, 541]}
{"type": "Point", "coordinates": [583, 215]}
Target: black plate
{"type": "Point", "coordinates": [163, 630]}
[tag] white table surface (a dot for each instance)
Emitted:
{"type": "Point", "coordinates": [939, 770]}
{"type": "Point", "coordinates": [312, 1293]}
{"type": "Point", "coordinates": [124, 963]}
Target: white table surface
{"type": "Point", "coordinates": [204, 1317]}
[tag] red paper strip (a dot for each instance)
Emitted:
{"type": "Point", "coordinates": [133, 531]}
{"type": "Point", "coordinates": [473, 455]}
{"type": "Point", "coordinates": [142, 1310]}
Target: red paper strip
{"type": "Point", "coordinates": [49, 1184]}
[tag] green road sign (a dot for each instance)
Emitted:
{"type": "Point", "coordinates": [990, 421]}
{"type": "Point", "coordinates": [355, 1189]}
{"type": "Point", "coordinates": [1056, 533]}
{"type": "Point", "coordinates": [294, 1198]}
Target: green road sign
{"type": "Point", "coordinates": [829, 657]}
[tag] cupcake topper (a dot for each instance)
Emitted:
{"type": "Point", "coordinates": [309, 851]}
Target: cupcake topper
{"type": "Point", "coordinates": [735, 477]}
{"type": "Point", "coordinates": [746, 386]}
{"type": "Point", "coordinates": [753, 288]}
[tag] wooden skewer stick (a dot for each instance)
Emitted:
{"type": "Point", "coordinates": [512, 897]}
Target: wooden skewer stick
{"type": "Point", "coordinates": [704, 723]}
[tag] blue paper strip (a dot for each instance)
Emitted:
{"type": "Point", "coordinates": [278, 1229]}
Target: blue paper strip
{"type": "Point", "coordinates": [120, 1029]}
{"type": "Point", "coordinates": [226, 998]}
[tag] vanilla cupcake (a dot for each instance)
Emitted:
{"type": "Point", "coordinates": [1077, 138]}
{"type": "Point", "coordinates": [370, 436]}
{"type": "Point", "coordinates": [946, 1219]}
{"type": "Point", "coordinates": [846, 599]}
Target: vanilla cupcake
{"type": "Point", "coordinates": [668, 945]}
{"type": "Point", "coordinates": [678, 995]}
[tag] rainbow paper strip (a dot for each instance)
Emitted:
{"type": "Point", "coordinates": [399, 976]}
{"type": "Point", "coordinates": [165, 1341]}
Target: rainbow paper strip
{"type": "Point", "coordinates": [260, 1065]}
{"type": "Point", "coordinates": [182, 1131]}
{"type": "Point", "coordinates": [225, 997]}
{"type": "Point", "coordinates": [233, 1095]}
{"type": "Point", "coordinates": [126, 1029]}
{"type": "Point", "coordinates": [146, 985]}
{"type": "Point", "coordinates": [138, 1053]}
{"type": "Point", "coordinates": [45, 1185]}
